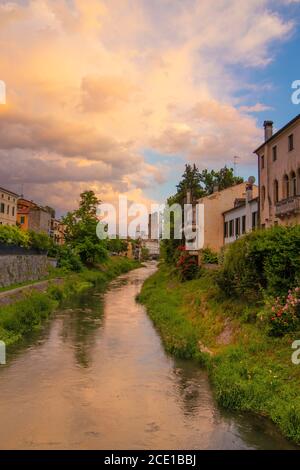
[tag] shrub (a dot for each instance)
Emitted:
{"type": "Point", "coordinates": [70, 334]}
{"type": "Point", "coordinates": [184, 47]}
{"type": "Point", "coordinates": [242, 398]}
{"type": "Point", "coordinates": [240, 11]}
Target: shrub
{"type": "Point", "coordinates": [68, 259]}
{"type": "Point", "coordinates": [209, 256]}
{"type": "Point", "coordinates": [187, 265]}
{"type": "Point", "coordinates": [284, 315]}
{"type": "Point", "coordinates": [39, 241]}
{"type": "Point", "coordinates": [262, 260]}
{"type": "Point", "coordinates": [144, 254]}
{"type": "Point", "coordinates": [13, 235]}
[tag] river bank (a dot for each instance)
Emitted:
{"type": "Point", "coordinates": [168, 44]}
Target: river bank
{"type": "Point", "coordinates": [26, 314]}
{"type": "Point", "coordinates": [97, 377]}
{"type": "Point", "coordinates": [249, 370]}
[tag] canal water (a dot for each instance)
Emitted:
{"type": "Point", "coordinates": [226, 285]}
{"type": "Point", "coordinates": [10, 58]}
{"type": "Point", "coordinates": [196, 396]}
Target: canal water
{"type": "Point", "coordinates": [97, 377]}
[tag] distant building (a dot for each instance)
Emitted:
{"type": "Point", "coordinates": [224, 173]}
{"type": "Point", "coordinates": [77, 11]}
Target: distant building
{"type": "Point", "coordinates": [279, 175]}
{"type": "Point", "coordinates": [8, 207]}
{"type": "Point", "coordinates": [242, 217]}
{"type": "Point", "coordinates": [31, 216]}
{"type": "Point", "coordinates": [57, 231]}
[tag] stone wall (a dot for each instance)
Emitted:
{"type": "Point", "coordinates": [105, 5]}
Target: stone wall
{"type": "Point", "coordinates": [15, 269]}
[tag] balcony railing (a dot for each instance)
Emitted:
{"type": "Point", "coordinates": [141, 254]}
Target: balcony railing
{"type": "Point", "coordinates": [288, 206]}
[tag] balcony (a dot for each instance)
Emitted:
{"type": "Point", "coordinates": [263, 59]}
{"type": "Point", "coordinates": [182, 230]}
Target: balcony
{"type": "Point", "coordinates": [287, 207]}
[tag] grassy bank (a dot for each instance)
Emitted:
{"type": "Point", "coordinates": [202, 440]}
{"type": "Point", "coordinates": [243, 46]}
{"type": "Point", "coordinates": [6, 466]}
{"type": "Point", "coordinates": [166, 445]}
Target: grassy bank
{"type": "Point", "coordinates": [27, 314]}
{"type": "Point", "coordinates": [249, 370]}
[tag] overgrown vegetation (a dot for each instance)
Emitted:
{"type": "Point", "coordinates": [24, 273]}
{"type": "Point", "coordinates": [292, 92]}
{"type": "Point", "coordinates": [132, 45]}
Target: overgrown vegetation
{"type": "Point", "coordinates": [250, 370]}
{"type": "Point", "coordinates": [263, 261]}
{"type": "Point", "coordinates": [26, 315]}
{"type": "Point", "coordinates": [12, 235]}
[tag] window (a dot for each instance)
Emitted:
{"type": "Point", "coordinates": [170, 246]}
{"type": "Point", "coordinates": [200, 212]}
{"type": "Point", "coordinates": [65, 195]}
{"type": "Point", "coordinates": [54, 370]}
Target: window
{"type": "Point", "coordinates": [274, 152]}
{"type": "Point", "coordinates": [237, 227]}
{"type": "Point", "coordinates": [244, 224]}
{"type": "Point", "coordinates": [276, 192]}
{"type": "Point", "coordinates": [291, 142]}
{"type": "Point", "coordinates": [7, 210]}
{"type": "Point", "coordinates": [13, 211]}
{"type": "Point", "coordinates": [293, 184]}
{"type": "Point", "coordinates": [263, 195]}
{"type": "Point", "coordinates": [231, 228]}
{"type": "Point", "coordinates": [254, 220]}
{"type": "Point", "coordinates": [286, 187]}
{"type": "Point", "coordinates": [22, 220]}
{"type": "Point", "coordinates": [2, 208]}
{"type": "Point", "coordinates": [262, 162]}
{"type": "Point", "coordinates": [226, 230]}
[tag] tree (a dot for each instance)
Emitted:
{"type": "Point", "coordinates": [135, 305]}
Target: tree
{"type": "Point", "coordinates": [222, 179]}
{"type": "Point", "coordinates": [81, 227]}
{"type": "Point", "coordinates": [191, 181]}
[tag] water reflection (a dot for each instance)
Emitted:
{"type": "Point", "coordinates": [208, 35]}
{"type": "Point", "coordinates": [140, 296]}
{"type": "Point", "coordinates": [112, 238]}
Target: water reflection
{"type": "Point", "coordinates": [97, 377]}
{"type": "Point", "coordinates": [81, 324]}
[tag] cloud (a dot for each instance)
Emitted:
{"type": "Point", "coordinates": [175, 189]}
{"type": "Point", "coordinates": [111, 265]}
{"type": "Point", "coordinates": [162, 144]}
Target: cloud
{"type": "Point", "coordinates": [92, 84]}
{"type": "Point", "coordinates": [256, 108]}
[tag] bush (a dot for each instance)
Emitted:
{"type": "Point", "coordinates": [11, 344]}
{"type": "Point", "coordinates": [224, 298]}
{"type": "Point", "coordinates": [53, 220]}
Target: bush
{"type": "Point", "coordinates": [67, 259]}
{"type": "Point", "coordinates": [283, 317]}
{"type": "Point", "coordinates": [39, 241]}
{"type": "Point", "coordinates": [187, 265]}
{"type": "Point", "coordinates": [262, 260]}
{"type": "Point", "coordinates": [145, 254]}
{"type": "Point", "coordinates": [13, 235]}
{"type": "Point", "coordinates": [209, 257]}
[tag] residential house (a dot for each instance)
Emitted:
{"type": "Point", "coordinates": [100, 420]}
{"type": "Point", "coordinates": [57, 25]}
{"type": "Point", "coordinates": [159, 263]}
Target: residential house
{"type": "Point", "coordinates": [31, 216]}
{"type": "Point", "coordinates": [57, 231]}
{"type": "Point", "coordinates": [243, 216]}
{"type": "Point", "coordinates": [215, 205]}
{"type": "Point", "coordinates": [8, 207]}
{"type": "Point", "coordinates": [279, 175]}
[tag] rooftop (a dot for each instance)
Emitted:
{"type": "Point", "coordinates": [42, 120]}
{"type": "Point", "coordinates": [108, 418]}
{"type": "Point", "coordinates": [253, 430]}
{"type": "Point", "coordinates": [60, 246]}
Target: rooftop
{"type": "Point", "coordinates": [9, 192]}
{"type": "Point", "coordinates": [274, 136]}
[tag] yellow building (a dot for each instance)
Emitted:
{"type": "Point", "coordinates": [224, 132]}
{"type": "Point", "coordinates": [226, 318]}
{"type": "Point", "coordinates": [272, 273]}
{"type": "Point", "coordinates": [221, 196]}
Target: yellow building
{"type": "Point", "coordinates": [215, 205]}
{"type": "Point", "coordinates": [279, 174]}
{"type": "Point", "coordinates": [8, 207]}
{"type": "Point", "coordinates": [30, 216]}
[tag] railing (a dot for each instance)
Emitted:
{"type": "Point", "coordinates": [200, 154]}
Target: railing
{"type": "Point", "coordinates": [288, 206]}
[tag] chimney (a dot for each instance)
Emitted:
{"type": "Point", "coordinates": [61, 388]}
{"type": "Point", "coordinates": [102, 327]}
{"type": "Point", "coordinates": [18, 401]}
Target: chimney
{"type": "Point", "coordinates": [268, 125]}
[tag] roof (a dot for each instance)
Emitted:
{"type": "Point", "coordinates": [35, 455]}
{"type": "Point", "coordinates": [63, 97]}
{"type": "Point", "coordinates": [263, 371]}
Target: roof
{"type": "Point", "coordinates": [255, 199]}
{"type": "Point", "coordinates": [274, 136]}
{"type": "Point", "coordinates": [9, 192]}
{"type": "Point", "coordinates": [212, 195]}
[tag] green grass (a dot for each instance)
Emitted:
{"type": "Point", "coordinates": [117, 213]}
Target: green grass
{"type": "Point", "coordinates": [250, 371]}
{"type": "Point", "coordinates": [26, 315]}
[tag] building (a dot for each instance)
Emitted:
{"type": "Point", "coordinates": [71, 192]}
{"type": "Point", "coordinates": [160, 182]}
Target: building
{"type": "Point", "coordinates": [279, 175]}
{"type": "Point", "coordinates": [31, 216]}
{"type": "Point", "coordinates": [57, 231]}
{"type": "Point", "coordinates": [8, 207]}
{"type": "Point", "coordinates": [215, 205]}
{"type": "Point", "coordinates": [243, 217]}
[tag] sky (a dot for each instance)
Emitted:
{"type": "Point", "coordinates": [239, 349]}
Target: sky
{"type": "Point", "coordinates": [117, 95]}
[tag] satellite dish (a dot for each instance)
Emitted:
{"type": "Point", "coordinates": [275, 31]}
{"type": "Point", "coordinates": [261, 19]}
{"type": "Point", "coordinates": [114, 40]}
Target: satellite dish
{"type": "Point", "coordinates": [251, 180]}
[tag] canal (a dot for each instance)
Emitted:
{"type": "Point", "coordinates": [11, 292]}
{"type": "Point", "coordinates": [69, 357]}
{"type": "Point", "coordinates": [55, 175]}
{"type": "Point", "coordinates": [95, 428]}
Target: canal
{"type": "Point", "coordinates": [97, 377]}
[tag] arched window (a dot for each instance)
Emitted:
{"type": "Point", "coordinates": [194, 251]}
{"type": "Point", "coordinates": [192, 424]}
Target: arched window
{"type": "Point", "coordinates": [276, 192]}
{"type": "Point", "coordinates": [286, 187]}
{"type": "Point", "coordinates": [293, 184]}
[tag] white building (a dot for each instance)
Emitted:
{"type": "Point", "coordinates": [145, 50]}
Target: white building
{"type": "Point", "coordinates": [242, 218]}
